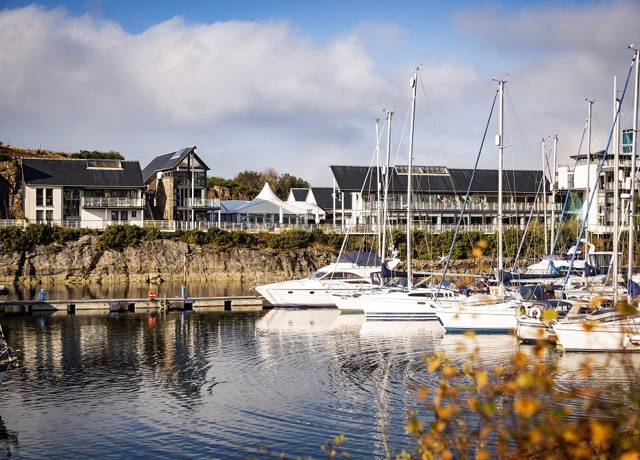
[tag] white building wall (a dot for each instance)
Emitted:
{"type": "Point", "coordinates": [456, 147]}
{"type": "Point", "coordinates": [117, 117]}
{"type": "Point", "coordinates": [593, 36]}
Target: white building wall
{"type": "Point", "coordinates": [29, 203]}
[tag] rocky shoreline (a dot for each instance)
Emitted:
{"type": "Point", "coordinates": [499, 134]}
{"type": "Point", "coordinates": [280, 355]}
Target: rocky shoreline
{"type": "Point", "coordinates": [84, 261]}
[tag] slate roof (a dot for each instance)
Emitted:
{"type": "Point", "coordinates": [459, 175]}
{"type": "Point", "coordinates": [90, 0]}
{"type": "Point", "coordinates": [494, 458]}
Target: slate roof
{"type": "Point", "coordinates": [324, 197]}
{"type": "Point", "coordinates": [169, 161]}
{"type": "Point", "coordinates": [299, 194]}
{"type": "Point", "coordinates": [363, 178]}
{"type": "Point", "coordinates": [76, 173]}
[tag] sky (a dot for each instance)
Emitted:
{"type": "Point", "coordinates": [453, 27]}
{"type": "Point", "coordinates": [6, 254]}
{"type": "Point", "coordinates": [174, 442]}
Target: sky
{"type": "Point", "coordinates": [298, 86]}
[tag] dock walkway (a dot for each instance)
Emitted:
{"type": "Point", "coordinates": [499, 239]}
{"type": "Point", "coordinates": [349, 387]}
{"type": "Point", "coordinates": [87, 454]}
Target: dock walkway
{"type": "Point", "coordinates": [234, 303]}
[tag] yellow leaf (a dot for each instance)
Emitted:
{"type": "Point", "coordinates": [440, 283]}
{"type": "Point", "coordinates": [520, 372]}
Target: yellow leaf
{"type": "Point", "coordinates": [433, 365]}
{"type": "Point", "coordinates": [481, 380]}
{"type": "Point", "coordinates": [526, 406]}
{"type": "Point", "coordinates": [600, 433]}
{"type": "Point", "coordinates": [449, 371]}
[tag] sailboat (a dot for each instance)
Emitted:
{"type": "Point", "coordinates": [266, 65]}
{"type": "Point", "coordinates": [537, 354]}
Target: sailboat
{"type": "Point", "coordinates": [7, 358]}
{"type": "Point", "coordinates": [496, 313]}
{"type": "Point", "coordinates": [611, 330]}
{"type": "Point", "coordinates": [416, 301]}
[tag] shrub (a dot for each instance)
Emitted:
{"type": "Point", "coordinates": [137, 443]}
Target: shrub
{"type": "Point", "coordinates": [517, 410]}
{"type": "Point", "coordinates": [290, 240]}
{"type": "Point", "coordinates": [120, 236]}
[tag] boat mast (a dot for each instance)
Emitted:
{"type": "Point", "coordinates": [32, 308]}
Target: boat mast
{"type": "Point", "coordinates": [500, 145]}
{"type": "Point", "coordinates": [616, 192]}
{"type": "Point", "coordinates": [553, 191]}
{"type": "Point", "coordinates": [585, 252]}
{"type": "Point", "coordinates": [385, 192]}
{"type": "Point", "coordinates": [544, 196]}
{"type": "Point", "coordinates": [414, 86]}
{"type": "Point", "coordinates": [634, 146]}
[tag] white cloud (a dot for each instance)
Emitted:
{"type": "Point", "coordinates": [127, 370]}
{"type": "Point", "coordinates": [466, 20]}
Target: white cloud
{"type": "Point", "coordinates": [253, 95]}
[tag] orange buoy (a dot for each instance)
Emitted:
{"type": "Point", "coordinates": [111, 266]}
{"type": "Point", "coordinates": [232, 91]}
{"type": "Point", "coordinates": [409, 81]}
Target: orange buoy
{"type": "Point", "coordinates": [152, 294]}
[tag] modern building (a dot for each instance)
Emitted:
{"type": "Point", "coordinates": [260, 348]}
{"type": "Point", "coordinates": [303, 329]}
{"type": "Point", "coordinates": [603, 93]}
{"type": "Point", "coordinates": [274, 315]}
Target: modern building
{"type": "Point", "coordinates": [438, 194]}
{"type": "Point", "coordinates": [580, 184]}
{"type": "Point", "coordinates": [267, 210]}
{"type": "Point", "coordinates": [177, 188]}
{"type": "Point", "coordinates": [82, 193]}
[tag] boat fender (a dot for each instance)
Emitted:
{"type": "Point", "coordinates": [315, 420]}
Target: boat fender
{"type": "Point", "coordinates": [626, 341]}
{"type": "Point", "coordinates": [152, 294]}
{"type": "Point", "coordinates": [535, 312]}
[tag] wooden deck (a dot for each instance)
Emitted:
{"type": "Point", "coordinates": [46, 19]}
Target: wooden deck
{"type": "Point", "coordinates": [235, 304]}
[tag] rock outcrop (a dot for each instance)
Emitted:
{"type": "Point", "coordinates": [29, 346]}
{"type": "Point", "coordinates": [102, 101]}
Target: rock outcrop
{"type": "Point", "coordinates": [85, 262]}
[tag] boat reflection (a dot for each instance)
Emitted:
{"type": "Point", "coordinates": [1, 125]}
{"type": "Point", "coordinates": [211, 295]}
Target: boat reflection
{"type": "Point", "coordinates": [290, 319]}
{"type": "Point", "coordinates": [431, 329]}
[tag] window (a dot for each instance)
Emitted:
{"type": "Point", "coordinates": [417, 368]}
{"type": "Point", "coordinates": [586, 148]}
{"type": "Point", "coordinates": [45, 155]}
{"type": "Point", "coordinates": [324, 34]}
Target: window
{"type": "Point", "coordinates": [114, 216]}
{"type": "Point", "coordinates": [71, 203]}
{"type": "Point", "coordinates": [49, 215]}
{"type": "Point", "coordinates": [134, 214]}
{"type": "Point", "coordinates": [124, 215]}
{"type": "Point", "coordinates": [44, 197]}
{"type": "Point", "coordinates": [39, 215]}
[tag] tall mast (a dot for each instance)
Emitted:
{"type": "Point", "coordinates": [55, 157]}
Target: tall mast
{"type": "Point", "coordinates": [379, 188]}
{"type": "Point", "coordinates": [500, 145]}
{"type": "Point", "coordinates": [544, 196]}
{"type": "Point", "coordinates": [553, 191]}
{"type": "Point", "coordinates": [385, 192]}
{"type": "Point", "coordinates": [616, 192]}
{"type": "Point", "coordinates": [634, 147]}
{"type": "Point", "coordinates": [414, 86]}
{"type": "Point", "coordinates": [588, 195]}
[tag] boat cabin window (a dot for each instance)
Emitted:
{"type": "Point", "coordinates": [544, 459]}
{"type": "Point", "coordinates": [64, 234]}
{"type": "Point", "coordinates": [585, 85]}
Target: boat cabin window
{"type": "Point", "coordinates": [337, 275]}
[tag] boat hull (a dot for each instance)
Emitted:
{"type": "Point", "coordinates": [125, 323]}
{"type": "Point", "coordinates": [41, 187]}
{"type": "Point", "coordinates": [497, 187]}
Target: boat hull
{"type": "Point", "coordinates": [599, 337]}
{"type": "Point", "coordinates": [497, 319]}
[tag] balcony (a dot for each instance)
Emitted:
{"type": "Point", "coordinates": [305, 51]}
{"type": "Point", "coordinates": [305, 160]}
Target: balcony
{"type": "Point", "coordinates": [202, 203]}
{"type": "Point", "coordinates": [98, 202]}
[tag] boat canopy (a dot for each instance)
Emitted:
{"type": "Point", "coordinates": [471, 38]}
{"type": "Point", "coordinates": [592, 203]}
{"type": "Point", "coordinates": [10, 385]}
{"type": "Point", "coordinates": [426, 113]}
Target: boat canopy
{"type": "Point", "coordinates": [361, 259]}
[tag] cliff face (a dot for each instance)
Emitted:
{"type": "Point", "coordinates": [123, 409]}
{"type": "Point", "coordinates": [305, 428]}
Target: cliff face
{"type": "Point", "coordinates": [84, 262]}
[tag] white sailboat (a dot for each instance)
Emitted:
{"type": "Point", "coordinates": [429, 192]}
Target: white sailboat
{"type": "Point", "coordinates": [610, 330]}
{"type": "Point", "coordinates": [410, 302]}
{"type": "Point", "coordinates": [498, 312]}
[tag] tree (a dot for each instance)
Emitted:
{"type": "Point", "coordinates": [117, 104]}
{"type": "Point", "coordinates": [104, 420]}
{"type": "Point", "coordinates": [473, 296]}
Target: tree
{"type": "Point", "coordinates": [95, 155]}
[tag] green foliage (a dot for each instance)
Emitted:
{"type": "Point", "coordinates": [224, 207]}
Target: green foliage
{"type": "Point", "coordinates": [194, 236]}
{"type": "Point", "coordinates": [94, 155]}
{"type": "Point", "coordinates": [291, 240]}
{"type": "Point", "coordinates": [517, 410]}
{"type": "Point", "coordinates": [120, 236]}
{"type": "Point", "coordinates": [250, 183]}
{"type": "Point", "coordinates": [230, 239]}
{"type": "Point", "coordinates": [14, 238]}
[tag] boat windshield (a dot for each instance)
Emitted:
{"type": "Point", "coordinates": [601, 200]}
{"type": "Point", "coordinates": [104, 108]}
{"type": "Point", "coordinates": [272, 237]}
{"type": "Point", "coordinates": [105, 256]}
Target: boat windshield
{"type": "Point", "coordinates": [335, 275]}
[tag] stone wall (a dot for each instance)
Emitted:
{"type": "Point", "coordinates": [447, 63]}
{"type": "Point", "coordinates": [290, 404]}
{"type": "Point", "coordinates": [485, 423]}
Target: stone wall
{"type": "Point", "coordinates": [85, 262]}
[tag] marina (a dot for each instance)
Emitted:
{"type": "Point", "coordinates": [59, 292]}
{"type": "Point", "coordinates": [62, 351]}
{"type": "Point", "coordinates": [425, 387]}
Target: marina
{"type": "Point", "coordinates": [233, 384]}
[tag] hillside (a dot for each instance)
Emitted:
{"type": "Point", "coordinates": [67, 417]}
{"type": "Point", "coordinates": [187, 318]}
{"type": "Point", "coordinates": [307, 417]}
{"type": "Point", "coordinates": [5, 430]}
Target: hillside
{"type": "Point", "coordinates": [10, 170]}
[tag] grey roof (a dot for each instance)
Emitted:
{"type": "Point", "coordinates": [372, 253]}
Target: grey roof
{"type": "Point", "coordinates": [364, 178]}
{"type": "Point", "coordinates": [169, 161]}
{"type": "Point", "coordinates": [76, 173]}
{"type": "Point", "coordinates": [300, 194]}
{"type": "Point", "coordinates": [324, 197]}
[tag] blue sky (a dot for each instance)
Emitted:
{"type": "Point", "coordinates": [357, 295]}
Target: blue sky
{"type": "Point", "coordinates": [297, 86]}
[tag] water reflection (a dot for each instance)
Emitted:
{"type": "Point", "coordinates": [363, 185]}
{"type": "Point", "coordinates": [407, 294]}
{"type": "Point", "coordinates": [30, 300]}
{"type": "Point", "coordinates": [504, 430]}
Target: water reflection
{"type": "Point", "coordinates": [203, 385]}
{"type": "Point", "coordinates": [124, 291]}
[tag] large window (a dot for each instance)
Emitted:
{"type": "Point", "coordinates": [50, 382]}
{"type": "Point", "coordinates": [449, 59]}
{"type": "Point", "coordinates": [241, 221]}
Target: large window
{"type": "Point", "coordinates": [71, 203]}
{"type": "Point", "coordinates": [44, 197]}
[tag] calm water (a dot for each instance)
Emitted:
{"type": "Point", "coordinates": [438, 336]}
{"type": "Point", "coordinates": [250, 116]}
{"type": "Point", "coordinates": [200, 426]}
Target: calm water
{"type": "Point", "coordinates": [131, 291]}
{"type": "Point", "coordinates": [206, 385]}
